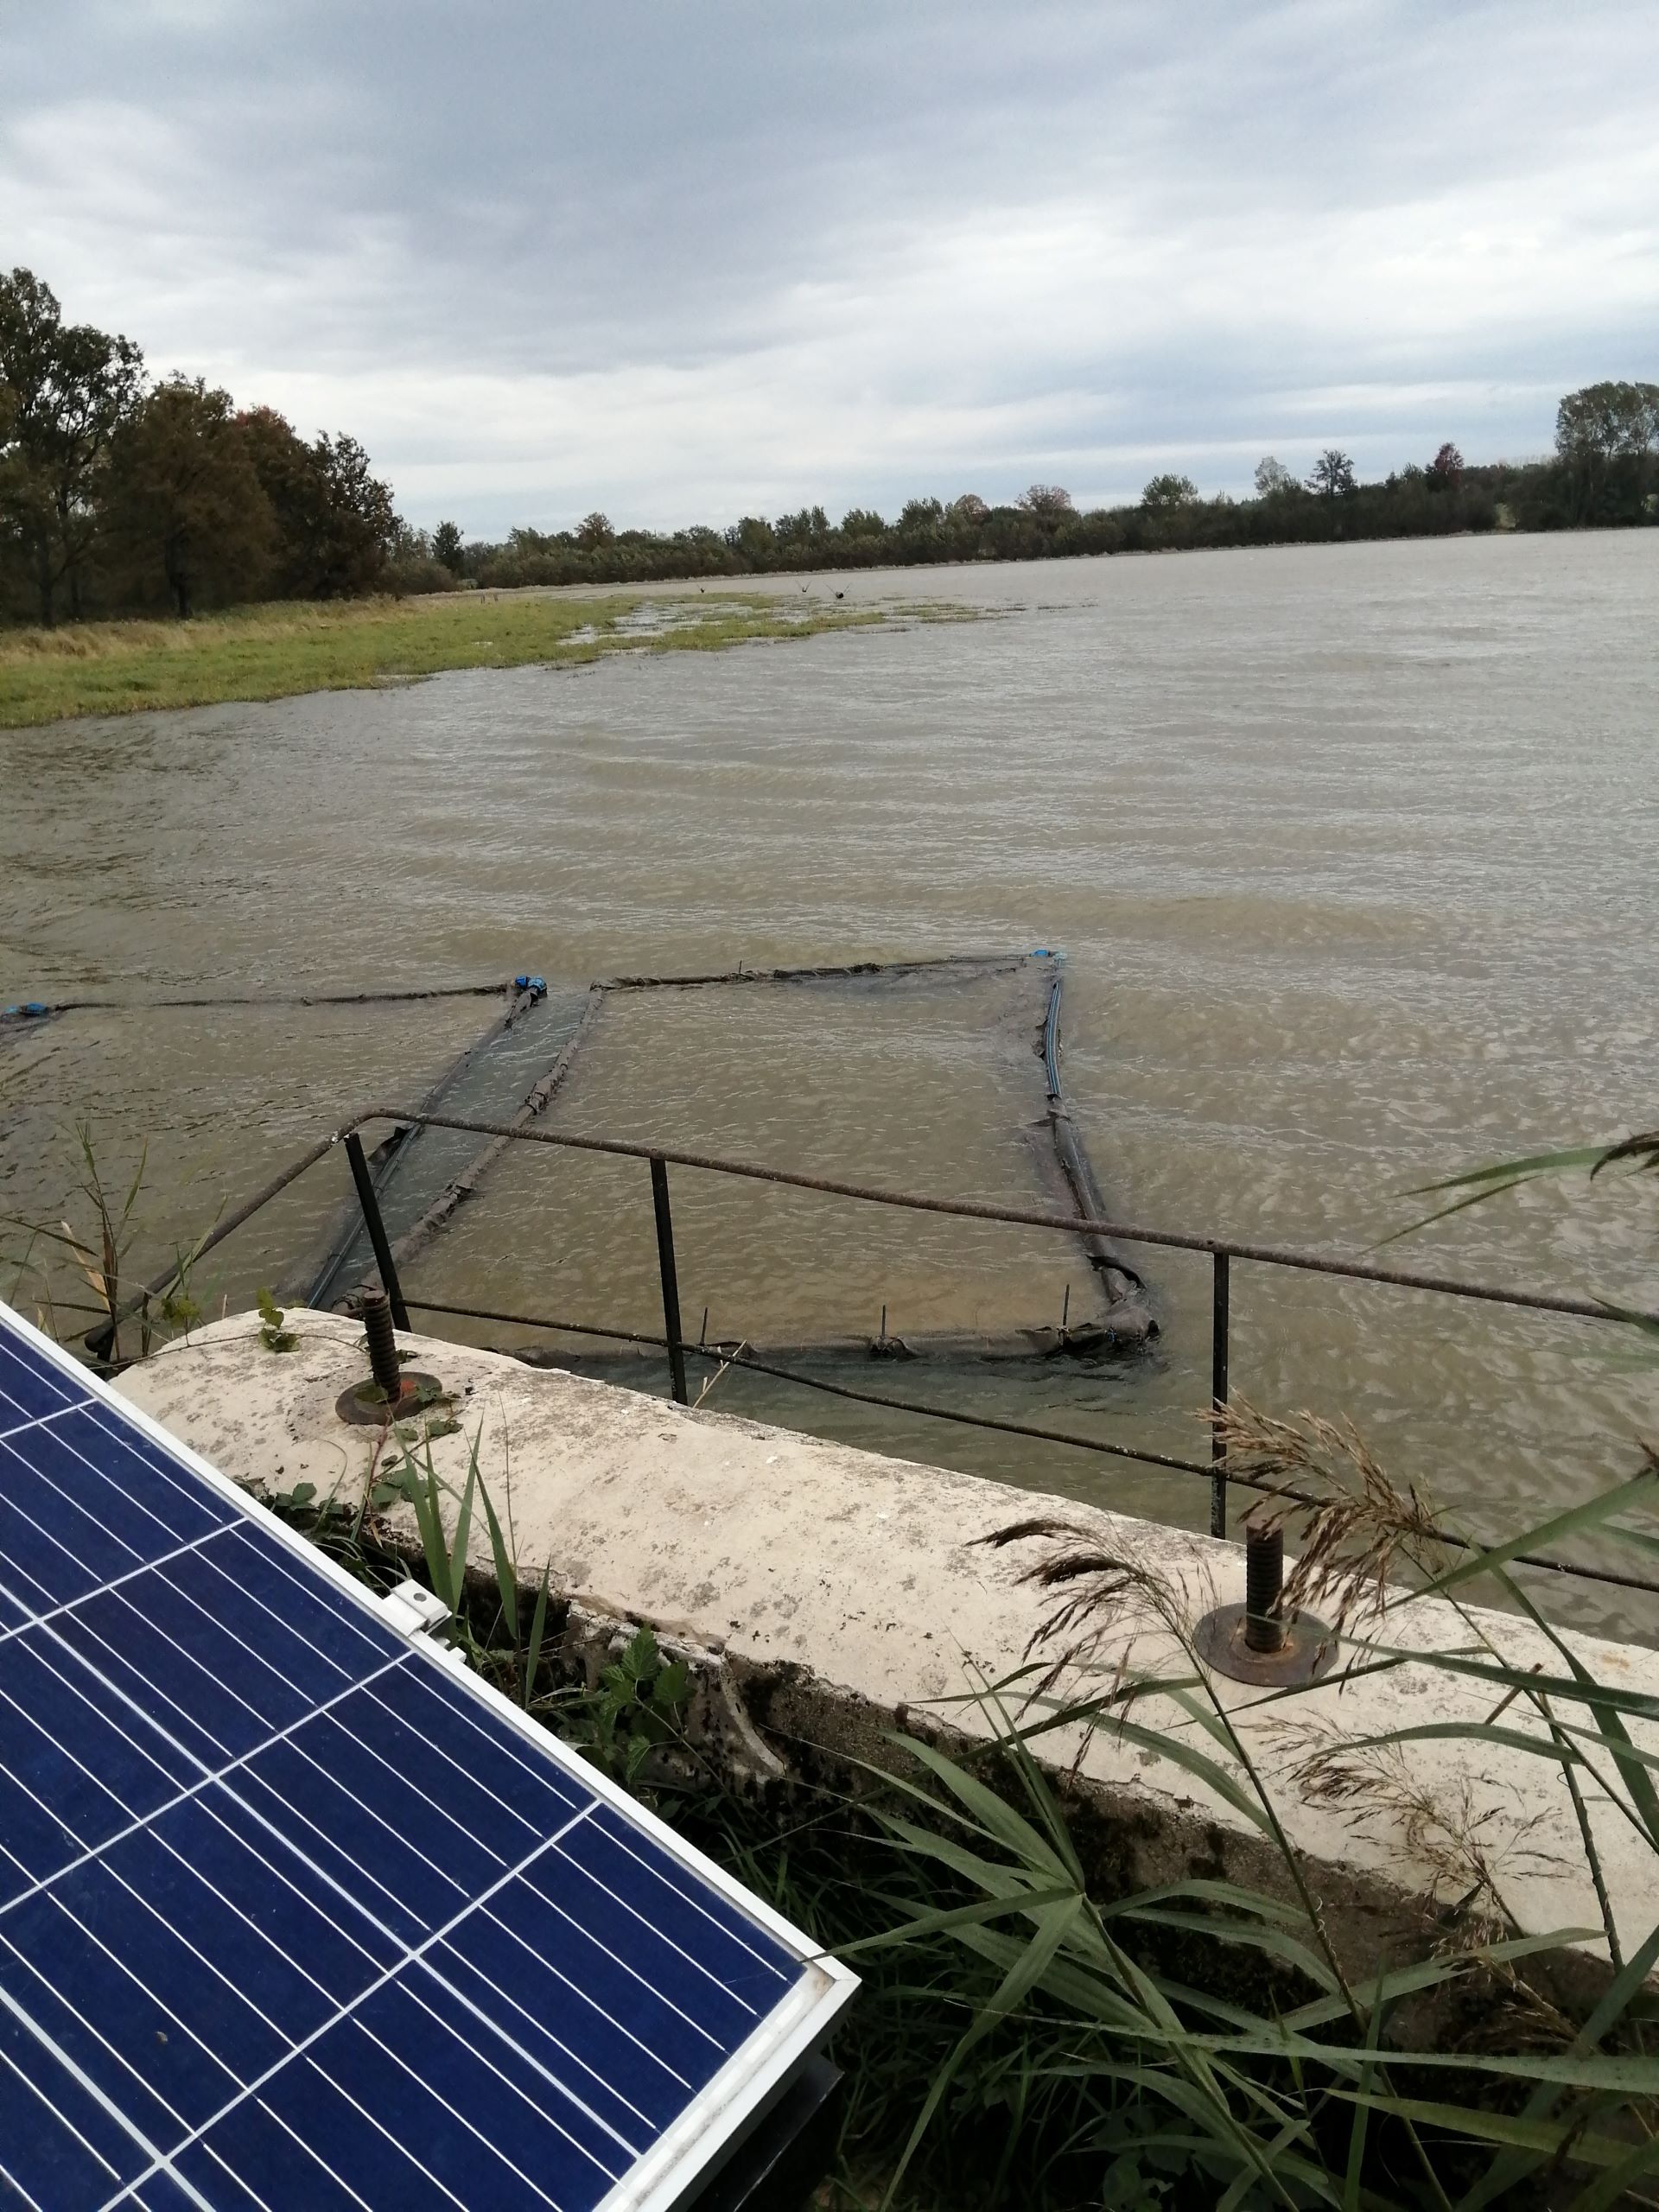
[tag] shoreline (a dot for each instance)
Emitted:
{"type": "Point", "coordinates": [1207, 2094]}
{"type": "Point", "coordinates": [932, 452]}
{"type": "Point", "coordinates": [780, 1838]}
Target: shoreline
{"type": "Point", "coordinates": [287, 649]}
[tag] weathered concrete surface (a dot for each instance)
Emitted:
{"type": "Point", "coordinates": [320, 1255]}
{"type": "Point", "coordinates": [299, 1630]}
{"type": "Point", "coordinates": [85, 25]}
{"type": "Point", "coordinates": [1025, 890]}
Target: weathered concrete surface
{"type": "Point", "coordinates": [836, 1590]}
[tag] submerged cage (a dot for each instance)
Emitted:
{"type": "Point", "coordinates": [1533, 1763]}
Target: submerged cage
{"type": "Point", "coordinates": [941, 1073]}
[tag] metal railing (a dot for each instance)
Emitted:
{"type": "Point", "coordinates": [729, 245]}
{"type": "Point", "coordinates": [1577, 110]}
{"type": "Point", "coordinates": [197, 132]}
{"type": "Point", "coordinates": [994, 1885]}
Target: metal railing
{"type": "Point", "coordinates": [1222, 1252]}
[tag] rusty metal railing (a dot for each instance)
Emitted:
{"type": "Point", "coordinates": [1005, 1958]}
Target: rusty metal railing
{"type": "Point", "coordinates": [1221, 1251]}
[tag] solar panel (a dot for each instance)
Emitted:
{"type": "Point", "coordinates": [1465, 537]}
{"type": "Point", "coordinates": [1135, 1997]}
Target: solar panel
{"type": "Point", "coordinates": [295, 1911]}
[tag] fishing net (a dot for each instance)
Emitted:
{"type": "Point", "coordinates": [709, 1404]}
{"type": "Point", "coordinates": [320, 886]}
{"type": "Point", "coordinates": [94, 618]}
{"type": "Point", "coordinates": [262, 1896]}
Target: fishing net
{"type": "Point", "coordinates": [925, 1077]}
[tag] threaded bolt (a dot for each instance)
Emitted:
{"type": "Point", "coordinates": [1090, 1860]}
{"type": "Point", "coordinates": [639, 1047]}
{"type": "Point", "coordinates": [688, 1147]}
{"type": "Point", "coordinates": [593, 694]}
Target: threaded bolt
{"type": "Point", "coordinates": [1264, 1584]}
{"type": "Point", "coordinates": [383, 1343]}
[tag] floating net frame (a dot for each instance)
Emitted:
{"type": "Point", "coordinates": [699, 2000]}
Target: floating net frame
{"type": "Point", "coordinates": [548, 1033]}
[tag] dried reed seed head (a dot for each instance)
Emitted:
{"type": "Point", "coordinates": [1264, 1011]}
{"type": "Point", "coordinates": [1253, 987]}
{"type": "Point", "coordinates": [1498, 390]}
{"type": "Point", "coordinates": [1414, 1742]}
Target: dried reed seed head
{"type": "Point", "coordinates": [1106, 1592]}
{"type": "Point", "coordinates": [1469, 1832]}
{"type": "Point", "coordinates": [1642, 1149]}
{"type": "Point", "coordinates": [1352, 1522]}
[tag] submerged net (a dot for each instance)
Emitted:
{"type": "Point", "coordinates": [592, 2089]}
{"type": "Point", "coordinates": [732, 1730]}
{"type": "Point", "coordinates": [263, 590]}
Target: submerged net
{"type": "Point", "coordinates": [927, 1077]}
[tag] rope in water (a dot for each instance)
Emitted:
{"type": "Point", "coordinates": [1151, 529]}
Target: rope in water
{"type": "Point", "coordinates": [35, 1008]}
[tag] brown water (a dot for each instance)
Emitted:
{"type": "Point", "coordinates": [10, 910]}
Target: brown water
{"type": "Point", "coordinates": [1350, 852]}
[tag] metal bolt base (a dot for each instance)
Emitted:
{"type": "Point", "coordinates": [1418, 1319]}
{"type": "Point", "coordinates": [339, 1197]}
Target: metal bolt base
{"type": "Point", "coordinates": [366, 1405]}
{"type": "Point", "coordinates": [1307, 1652]}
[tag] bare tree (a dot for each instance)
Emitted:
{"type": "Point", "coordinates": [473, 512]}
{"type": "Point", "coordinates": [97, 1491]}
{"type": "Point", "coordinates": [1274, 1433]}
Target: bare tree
{"type": "Point", "coordinates": [1273, 478]}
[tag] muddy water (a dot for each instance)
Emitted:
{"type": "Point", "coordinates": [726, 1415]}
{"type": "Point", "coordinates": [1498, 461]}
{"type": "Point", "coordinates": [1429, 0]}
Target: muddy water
{"type": "Point", "coordinates": [1350, 852]}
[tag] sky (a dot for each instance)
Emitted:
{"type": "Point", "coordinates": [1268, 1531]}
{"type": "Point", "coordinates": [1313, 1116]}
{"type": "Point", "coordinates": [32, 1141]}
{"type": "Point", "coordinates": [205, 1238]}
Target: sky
{"type": "Point", "coordinates": [684, 260]}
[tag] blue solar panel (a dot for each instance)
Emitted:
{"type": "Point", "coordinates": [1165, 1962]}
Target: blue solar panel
{"type": "Point", "coordinates": [293, 1914]}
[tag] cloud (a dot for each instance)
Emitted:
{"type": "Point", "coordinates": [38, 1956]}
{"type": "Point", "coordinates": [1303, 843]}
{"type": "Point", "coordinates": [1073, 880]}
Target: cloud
{"type": "Point", "coordinates": [682, 263]}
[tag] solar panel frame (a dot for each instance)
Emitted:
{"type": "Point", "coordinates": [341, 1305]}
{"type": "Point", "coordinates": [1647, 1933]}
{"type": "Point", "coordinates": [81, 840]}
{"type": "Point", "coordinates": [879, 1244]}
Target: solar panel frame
{"type": "Point", "coordinates": [690, 2148]}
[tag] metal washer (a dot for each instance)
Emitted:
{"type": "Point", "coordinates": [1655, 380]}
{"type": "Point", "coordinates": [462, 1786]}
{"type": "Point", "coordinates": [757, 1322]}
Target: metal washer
{"type": "Point", "coordinates": [363, 1410]}
{"type": "Point", "coordinates": [1308, 1651]}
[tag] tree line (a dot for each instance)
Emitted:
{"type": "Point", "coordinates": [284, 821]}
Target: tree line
{"type": "Point", "coordinates": [117, 493]}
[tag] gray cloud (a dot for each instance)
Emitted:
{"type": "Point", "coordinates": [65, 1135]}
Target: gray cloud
{"type": "Point", "coordinates": [683, 261]}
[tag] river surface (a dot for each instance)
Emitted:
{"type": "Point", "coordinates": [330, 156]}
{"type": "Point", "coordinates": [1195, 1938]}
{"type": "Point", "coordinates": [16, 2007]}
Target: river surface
{"type": "Point", "coordinates": [1350, 851]}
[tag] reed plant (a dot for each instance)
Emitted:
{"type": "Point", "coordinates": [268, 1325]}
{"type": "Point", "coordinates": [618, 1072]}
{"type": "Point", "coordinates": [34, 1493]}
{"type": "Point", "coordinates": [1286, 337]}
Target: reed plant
{"type": "Point", "coordinates": [1031, 2034]}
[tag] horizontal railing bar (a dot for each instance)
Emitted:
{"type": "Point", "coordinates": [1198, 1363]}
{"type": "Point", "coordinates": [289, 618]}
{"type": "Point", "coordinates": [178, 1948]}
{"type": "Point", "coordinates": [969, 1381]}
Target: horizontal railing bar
{"type": "Point", "coordinates": [728, 1355]}
{"type": "Point", "coordinates": [1016, 1217]}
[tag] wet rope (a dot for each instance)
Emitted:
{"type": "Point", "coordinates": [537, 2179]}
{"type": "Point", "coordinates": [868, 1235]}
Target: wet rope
{"type": "Point", "coordinates": [35, 1009]}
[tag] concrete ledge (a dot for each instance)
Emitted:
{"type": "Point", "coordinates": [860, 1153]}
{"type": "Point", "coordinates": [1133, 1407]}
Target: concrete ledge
{"type": "Point", "coordinates": [830, 1594]}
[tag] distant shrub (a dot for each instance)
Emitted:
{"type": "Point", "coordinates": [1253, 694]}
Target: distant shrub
{"type": "Point", "coordinates": [420, 573]}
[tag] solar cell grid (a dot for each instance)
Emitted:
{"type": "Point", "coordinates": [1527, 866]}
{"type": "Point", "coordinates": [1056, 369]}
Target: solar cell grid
{"type": "Point", "coordinates": [292, 1915]}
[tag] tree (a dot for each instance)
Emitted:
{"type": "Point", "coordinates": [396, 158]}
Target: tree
{"type": "Point", "coordinates": [1332, 475]}
{"type": "Point", "coordinates": [753, 540]}
{"type": "Point", "coordinates": [335, 522]}
{"type": "Point", "coordinates": [802, 529]}
{"type": "Point", "coordinates": [594, 531]}
{"type": "Point", "coordinates": [1273, 478]}
{"type": "Point", "coordinates": [1605, 436]}
{"type": "Point", "coordinates": [1048, 500]}
{"type": "Point", "coordinates": [447, 546]}
{"type": "Point", "coordinates": [1608, 419]}
{"type": "Point", "coordinates": [183, 492]}
{"type": "Point", "coordinates": [1445, 472]}
{"type": "Point", "coordinates": [68, 387]}
{"type": "Point", "coordinates": [969, 511]}
{"type": "Point", "coordinates": [862, 522]}
{"type": "Point", "coordinates": [357, 519]}
{"type": "Point", "coordinates": [1165, 494]}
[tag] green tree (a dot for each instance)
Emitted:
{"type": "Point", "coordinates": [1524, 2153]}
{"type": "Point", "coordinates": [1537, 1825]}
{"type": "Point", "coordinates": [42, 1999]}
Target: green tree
{"type": "Point", "coordinates": [1606, 436]}
{"type": "Point", "coordinates": [335, 522]}
{"type": "Point", "coordinates": [594, 531]}
{"type": "Point", "coordinates": [183, 494]}
{"type": "Point", "coordinates": [753, 541]}
{"type": "Point", "coordinates": [68, 387]}
{"type": "Point", "coordinates": [447, 546]}
{"type": "Point", "coordinates": [359, 520]}
{"type": "Point", "coordinates": [1332, 475]}
{"type": "Point", "coordinates": [862, 522]}
{"type": "Point", "coordinates": [1166, 494]}
{"type": "Point", "coordinates": [803, 529]}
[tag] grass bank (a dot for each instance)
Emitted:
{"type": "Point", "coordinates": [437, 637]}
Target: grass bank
{"type": "Point", "coordinates": [275, 651]}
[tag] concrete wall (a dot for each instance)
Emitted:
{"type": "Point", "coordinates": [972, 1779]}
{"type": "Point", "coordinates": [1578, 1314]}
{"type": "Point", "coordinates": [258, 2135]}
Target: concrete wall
{"type": "Point", "coordinates": [830, 1595]}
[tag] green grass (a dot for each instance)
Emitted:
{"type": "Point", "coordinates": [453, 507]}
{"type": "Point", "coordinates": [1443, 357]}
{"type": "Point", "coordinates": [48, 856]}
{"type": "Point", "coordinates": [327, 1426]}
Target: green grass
{"type": "Point", "coordinates": [273, 651]}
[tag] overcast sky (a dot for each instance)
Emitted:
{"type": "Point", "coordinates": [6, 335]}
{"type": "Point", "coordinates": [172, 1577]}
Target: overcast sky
{"type": "Point", "coordinates": [684, 259]}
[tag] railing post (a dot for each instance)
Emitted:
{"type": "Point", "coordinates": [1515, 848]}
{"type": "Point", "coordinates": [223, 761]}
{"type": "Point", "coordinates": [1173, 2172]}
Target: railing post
{"type": "Point", "coordinates": [1218, 1331]}
{"type": "Point", "coordinates": [671, 1278]}
{"type": "Point", "coordinates": [377, 1229]}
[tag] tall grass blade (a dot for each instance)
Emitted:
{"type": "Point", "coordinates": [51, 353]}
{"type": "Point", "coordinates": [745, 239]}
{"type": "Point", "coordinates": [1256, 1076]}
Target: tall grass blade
{"type": "Point", "coordinates": [533, 1648]}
